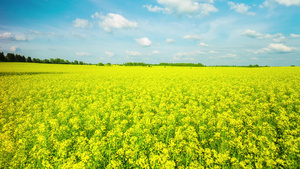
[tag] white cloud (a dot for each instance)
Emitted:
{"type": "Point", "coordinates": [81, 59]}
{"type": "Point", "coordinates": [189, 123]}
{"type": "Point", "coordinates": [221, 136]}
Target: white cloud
{"type": "Point", "coordinates": [82, 54]}
{"type": "Point", "coordinates": [288, 2]}
{"type": "Point", "coordinates": [203, 44]}
{"type": "Point", "coordinates": [240, 8]}
{"type": "Point", "coordinates": [278, 37]}
{"type": "Point", "coordinates": [253, 34]}
{"type": "Point", "coordinates": [205, 9]}
{"type": "Point", "coordinates": [184, 7]}
{"type": "Point", "coordinates": [133, 53]}
{"type": "Point", "coordinates": [14, 48]}
{"type": "Point", "coordinates": [207, 1]}
{"type": "Point", "coordinates": [157, 9]}
{"type": "Point", "coordinates": [186, 55]}
{"type": "Point", "coordinates": [229, 56]}
{"type": "Point", "coordinates": [110, 54]}
{"type": "Point", "coordinates": [144, 41]}
{"type": "Point", "coordinates": [276, 48]}
{"type": "Point", "coordinates": [12, 37]}
{"type": "Point", "coordinates": [294, 35]}
{"type": "Point", "coordinates": [155, 52]}
{"type": "Point", "coordinates": [114, 21]}
{"type": "Point", "coordinates": [271, 3]}
{"type": "Point", "coordinates": [82, 23]}
{"type": "Point", "coordinates": [192, 37]}
{"type": "Point", "coordinates": [96, 15]}
{"type": "Point", "coordinates": [212, 51]}
{"type": "Point", "coordinates": [170, 40]}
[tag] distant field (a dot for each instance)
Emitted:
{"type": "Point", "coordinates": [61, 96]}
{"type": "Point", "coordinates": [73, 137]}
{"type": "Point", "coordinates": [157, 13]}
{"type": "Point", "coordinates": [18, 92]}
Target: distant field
{"type": "Point", "coordinates": [82, 116]}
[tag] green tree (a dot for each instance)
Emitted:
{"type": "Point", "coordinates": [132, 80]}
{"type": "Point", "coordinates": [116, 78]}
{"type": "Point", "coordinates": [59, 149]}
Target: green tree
{"type": "Point", "coordinates": [10, 57]}
{"type": "Point", "coordinates": [29, 59]}
{"type": "Point", "coordinates": [100, 64]}
{"type": "Point", "coordinates": [2, 57]}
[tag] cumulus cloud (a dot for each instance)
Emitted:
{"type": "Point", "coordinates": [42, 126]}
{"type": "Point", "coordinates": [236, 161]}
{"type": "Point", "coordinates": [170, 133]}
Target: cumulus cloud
{"type": "Point", "coordinates": [278, 37]}
{"type": "Point", "coordinates": [253, 34]}
{"type": "Point", "coordinates": [82, 23]}
{"type": "Point", "coordinates": [13, 37]}
{"type": "Point", "coordinates": [213, 51]}
{"type": "Point", "coordinates": [14, 48]}
{"type": "Point", "coordinates": [82, 54]}
{"type": "Point", "coordinates": [155, 52]}
{"type": "Point", "coordinates": [96, 15]}
{"type": "Point", "coordinates": [205, 9]}
{"type": "Point", "coordinates": [133, 53]}
{"type": "Point", "coordinates": [114, 21]}
{"type": "Point", "coordinates": [288, 2]}
{"type": "Point", "coordinates": [294, 35]}
{"type": "Point", "coordinates": [110, 54]}
{"type": "Point", "coordinates": [203, 44]}
{"type": "Point", "coordinates": [144, 41]}
{"type": "Point", "coordinates": [276, 48]}
{"type": "Point", "coordinates": [272, 3]}
{"type": "Point", "coordinates": [192, 37]}
{"type": "Point", "coordinates": [157, 9]}
{"type": "Point", "coordinates": [170, 40]}
{"type": "Point", "coordinates": [183, 7]}
{"type": "Point", "coordinates": [240, 8]}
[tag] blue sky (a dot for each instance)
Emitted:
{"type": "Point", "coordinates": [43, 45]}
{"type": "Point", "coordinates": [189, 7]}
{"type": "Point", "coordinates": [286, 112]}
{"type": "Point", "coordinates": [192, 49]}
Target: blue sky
{"type": "Point", "coordinates": [212, 32]}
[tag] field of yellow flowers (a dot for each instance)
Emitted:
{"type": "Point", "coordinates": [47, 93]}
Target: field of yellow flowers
{"type": "Point", "coordinates": [86, 116]}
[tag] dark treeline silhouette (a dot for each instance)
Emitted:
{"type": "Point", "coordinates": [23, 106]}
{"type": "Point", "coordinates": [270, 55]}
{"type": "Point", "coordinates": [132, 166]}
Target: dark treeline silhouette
{"type": "Point", "coordinates": [135, 64]}
{"type": "Point", "coordinates": [11, 57]}
{"type": "Point", "coordinates": [164, 64]}
{"type": "Point", "coordinates": [183, 64]}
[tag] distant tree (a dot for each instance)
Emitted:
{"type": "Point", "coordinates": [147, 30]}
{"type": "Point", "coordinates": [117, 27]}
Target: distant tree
{"type": "Point", "coordinates": [52, 60]}
{"type": "Point", "coordinates": [23, 59]}
{"type": "Point", "coordinates": [81, 62]}
{"type": "Point", "coordinates": [2, 57]}
{"type": "Point", "coordinates": [46, 61]}
{"type": "Point", "coordinates": [75, 62]}
{"type": "Point", "coordinates": [61, 61]}
{"type": "Point", "coordinates": [100, 64]}
{"type": "Point", "coordinates": [292, 65]}
{"type": "Point", "coordinates": [28, 59]}
{"type": "Point", "coordinates": [18, 58]}
{"type": "Point", "coordinates": [10, 57]}
{"type": "Point", "coordinates": [108, 64]}
{"type": "Point", "coordinates": [182, 64]}
{"type": "Point", "coordinates": [57, 60]}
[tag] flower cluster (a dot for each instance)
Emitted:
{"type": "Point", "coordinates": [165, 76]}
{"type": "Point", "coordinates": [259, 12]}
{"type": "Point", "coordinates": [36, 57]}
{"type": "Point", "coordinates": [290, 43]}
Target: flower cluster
{"type": "Point", "coordinates": [69, 116]}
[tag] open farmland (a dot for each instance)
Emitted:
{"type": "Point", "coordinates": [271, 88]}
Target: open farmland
{"type": "Point", "coordinates": [72, 116]}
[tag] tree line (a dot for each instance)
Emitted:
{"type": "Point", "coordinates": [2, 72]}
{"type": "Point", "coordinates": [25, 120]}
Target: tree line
{"type": "Point", "coordinates": [11, 57]}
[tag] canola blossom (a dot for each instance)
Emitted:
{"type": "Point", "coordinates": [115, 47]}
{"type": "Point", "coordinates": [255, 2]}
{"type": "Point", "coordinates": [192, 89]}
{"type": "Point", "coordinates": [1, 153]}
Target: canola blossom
{"type": "Point", "coordinates": [85, 116]}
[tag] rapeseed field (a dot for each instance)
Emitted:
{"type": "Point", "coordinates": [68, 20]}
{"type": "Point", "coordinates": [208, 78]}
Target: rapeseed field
{"type": "Point", "coordinates": [86, 116]}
